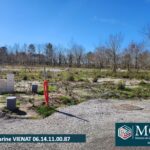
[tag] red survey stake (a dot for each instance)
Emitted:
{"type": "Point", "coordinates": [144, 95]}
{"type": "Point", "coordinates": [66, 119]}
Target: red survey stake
{"type": "Point", "coordinates": [46, 92]}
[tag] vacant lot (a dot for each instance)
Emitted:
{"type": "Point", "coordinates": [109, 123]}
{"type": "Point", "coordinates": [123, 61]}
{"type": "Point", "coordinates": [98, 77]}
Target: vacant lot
{"type": "Point", "coordinates": [99, 98]}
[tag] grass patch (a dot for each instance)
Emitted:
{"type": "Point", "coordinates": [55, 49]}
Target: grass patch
{"type": "Point", "coordinates": [5, 93]}
{"type": "Point", "coordinates": [40, 92]}
{"type": "Point", "coordinates": [110, 90]}
{"type": "Point", "coordinates": [18, 103]}
{"type": "Point", "coordinates": [75, 74]}
{"type": "Point", "coordinates": [144, 84]}
{"type": "Point", "coordinates": [45, 111]}
{"type": "Point", "coordinates": [52, 88]}
{"type": "Point", "coordinates": [68, 100]}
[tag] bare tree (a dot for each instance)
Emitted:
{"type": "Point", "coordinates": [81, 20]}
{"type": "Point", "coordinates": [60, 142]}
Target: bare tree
{"type": "Point", "coordinates": [135, 51]}
{"type": "Point", "coordinates": [126, 59]}
{"type": "Point", "coordinates": [90, 57]}
{"type": "Point", "coordinates": [114, 44]}
{"type": "Point", "coordinates": [144, 60]}
{"type": "Point", "coordinates": [3, 55]}
{"type": "Point", "coordinates": [49, 51]}
{"type": "Point", "coordinates": [78, 51]}
{"type": "Point", "coordinates": [100, 56]}
{"type": "Point", "coordinates": [109, 56]}
{"type": "Point", "coordinates": [31, 52]}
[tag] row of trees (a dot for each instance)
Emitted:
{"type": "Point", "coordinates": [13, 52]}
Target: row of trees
{"type": "Point", "coordinates": [135, 55]}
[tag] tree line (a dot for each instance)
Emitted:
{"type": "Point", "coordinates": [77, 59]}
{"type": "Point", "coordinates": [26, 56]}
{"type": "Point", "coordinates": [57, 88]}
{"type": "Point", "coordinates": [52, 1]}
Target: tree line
{"type": "Point", "coordinates": [107, 56]}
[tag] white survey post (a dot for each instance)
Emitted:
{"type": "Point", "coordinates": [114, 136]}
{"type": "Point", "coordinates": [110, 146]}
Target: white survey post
{"type": "Point", "coordinates": [3, 85]}
{"type": "Point", "coordinates": [10, 82]}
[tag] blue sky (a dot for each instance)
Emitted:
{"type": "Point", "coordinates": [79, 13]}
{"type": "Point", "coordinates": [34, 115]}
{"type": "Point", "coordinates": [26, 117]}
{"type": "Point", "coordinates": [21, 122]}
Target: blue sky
{"type": "Point", "coordinates": [61, 22]}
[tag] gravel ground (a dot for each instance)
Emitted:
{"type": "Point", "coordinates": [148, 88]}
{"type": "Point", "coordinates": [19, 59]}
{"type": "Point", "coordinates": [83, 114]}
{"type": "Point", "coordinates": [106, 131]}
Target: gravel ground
{"type": "Point", "coordinates": [95, 118]}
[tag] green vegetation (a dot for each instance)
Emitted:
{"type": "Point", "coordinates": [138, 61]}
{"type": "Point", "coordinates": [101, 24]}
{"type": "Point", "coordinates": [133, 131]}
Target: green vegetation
{"type": "Point", "coordinates": [25, 78]}
{"type": "Point", "coordinates": [110, 90]}
{"type": "Point", "coordinates": [72, 86]}
{"type": "Point", "coordinates": [75, 74]}
{"type": "Point", "coordinates": [52, 88]}
{"type": "Point", "coordinates": [18, 103]}
{"type": "Point", "coordinates": [95, 79]}
{"type": "Point", "coordinates": [68, 100]}
{"type": "Point", "coordinates": [121, 85]}
{"type": "Point", "coordinates": [70, 78]}
{"type": "Point", "coordinates": [45, 111]}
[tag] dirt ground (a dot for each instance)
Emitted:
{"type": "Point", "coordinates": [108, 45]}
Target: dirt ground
{"type": "Point", "coordinates": [95, 118]}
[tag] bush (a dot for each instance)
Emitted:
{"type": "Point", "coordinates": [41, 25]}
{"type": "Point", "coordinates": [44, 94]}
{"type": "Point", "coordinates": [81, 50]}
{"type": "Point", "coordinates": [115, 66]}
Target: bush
{"type": "Point", "coordinates": [76, 72]}
{"type": "Point", "coordinates": [40, 92]}
{"type": "Point", "coordinates": [71, 78]}
{"type": "Point", "coordinates": [58, 75]}
{"type": "Point", "coordinates": [81, 80]}
{"type": "Point", "coordinates": [95, 79]}
{"type": "Point", "coordinates": [49, 76]}
{"type": "Point", "coordinates": [126, 76]}
{"type": "Point", "coordinates": [142, 83]}
{"type": "Point", "coordinates": [25, 78]}
{"type": "Point", "coordinates": [121, 85]}
{"type": "Point", "coordinates": [32, 77]}
{"type": "Point", "coordinates": [14, 72]}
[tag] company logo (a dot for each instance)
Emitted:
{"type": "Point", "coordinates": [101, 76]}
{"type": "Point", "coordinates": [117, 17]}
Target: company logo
{"type": "Point", "coordinates": [132, 134]}
{"type": "Point", "coordinates": [124, 132]}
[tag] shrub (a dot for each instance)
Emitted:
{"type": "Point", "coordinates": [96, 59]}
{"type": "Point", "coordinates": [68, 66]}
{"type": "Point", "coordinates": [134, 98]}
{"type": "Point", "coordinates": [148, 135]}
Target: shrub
{"type": "Point", "coordinates": [40, 92]}
{"type": "Point", "coordinates": [142, 83]}
{"type": "Point", "coordinates": [126, 76]}
{"type": "Point", "coordinates": [49, 76]}
{"type": "Point", "coordinates": [14, 72]}
{"type": "Point", "coordinates": [71, 78]}
{"type": "Point", "coordinates": [95, 79]}
{"type": "Point", "coordinates": [58, 75]}
{"type": "Point", "coordinates": [121, 85]}
{"type": "Point", "coordinates": [25, 78]}
{"type": "Point", "coordinates": [32, 77]}
{"type": "Point", "coordinates": [81, 80]}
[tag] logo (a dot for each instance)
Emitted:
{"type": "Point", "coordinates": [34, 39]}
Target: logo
{"type": "Point", "coordinates": [124, 132]}
{"type": "Point", "coordinates": [132, 134]}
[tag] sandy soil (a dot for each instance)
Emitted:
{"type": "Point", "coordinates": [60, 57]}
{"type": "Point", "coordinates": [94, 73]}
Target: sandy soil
{"type": "Point", "coordinates": [95, 118]}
